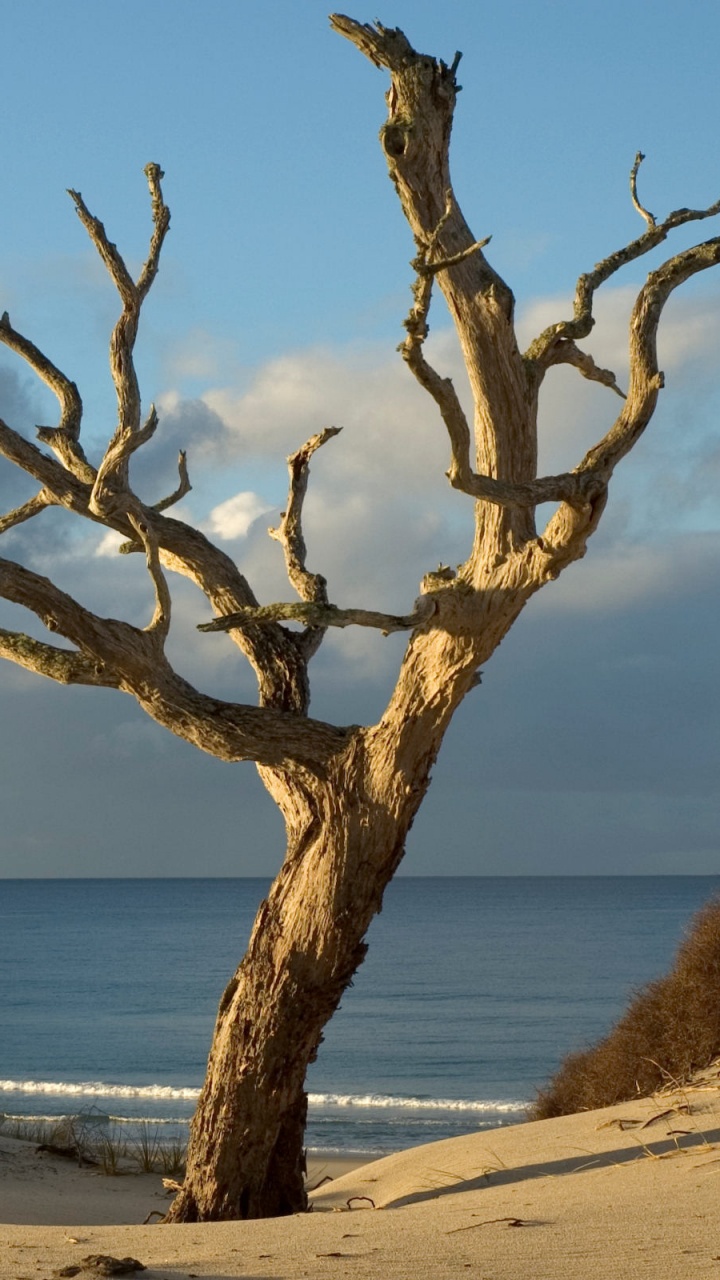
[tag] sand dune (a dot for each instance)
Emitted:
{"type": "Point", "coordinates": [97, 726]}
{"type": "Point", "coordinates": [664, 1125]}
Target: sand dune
{"type": "Point", "coordinates": [626, 1192]}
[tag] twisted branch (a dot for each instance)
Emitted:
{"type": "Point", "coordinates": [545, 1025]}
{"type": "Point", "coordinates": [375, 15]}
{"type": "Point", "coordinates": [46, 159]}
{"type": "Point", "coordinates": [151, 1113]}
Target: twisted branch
{"type": "Point", "coordinates": [65, 666]}
{"type": "Point", "coordinates": [112, 478]}
{"type": "Point", "coordinates": [325, 615]}
{"type": "Point", "coordinates": [646, 380]}
{"type": "Point", "coordinates": [568, 487]}
{"type": "Point", "coordinates": [567, 532]}
{"type": "Point", "coordinates": [311, 587]}
{"type": "Point", "coordinates": [644, 213]}
{"type": "Point", "coordinates": [566, 352]}
{"type": "Point", "coordinates": [63, 439]}
{"type": "Point", "coordinates": [111, 494]}
{"type": "Point", "coordinates": [25, 512]}
{"type": "Point", "coordinates": [539, 353]}
{"type": "Point", "coordinates": [159, 624]}
{"type": "Point", "coordinates": [183, 488]}
{"type": "Point", "coordinates": [122, 656]}
{"type": "Point", "coordinates": [66, 489]}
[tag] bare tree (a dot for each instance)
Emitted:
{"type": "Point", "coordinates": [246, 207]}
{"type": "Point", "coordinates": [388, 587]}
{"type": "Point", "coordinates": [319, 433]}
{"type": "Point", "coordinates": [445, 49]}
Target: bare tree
{"type": "Point", "coordinates": [348, 795]}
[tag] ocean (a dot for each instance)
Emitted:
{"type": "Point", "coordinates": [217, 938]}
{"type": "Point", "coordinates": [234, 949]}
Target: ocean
{"type": "Point", "coordinates": [473, 991]}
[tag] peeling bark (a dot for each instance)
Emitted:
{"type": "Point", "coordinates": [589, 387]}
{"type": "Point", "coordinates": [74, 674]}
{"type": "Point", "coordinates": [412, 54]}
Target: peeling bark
{"type": "Point", "coordinates": [348, 795]}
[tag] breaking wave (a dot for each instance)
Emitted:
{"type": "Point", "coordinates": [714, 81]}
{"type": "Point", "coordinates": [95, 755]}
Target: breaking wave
{"type": "Point", "coordinates": [386, 1101]}
{"type": "Point", "coordinates": [98, 1089]}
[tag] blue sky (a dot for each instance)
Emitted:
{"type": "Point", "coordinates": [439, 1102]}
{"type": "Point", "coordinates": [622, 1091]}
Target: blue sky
{"type": "Point", "coordinates": [592, 745]}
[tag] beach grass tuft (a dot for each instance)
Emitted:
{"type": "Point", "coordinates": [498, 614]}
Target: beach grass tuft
{"type": "Point", "coordinates": [80, 1138]}
{"type": "Point", "coordinates": [670, 1029]}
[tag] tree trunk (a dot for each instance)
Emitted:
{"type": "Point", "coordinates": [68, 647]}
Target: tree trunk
{"type": "Point", "coordinates": [346, 838]}
{"type": "Point", "coordinates": [246, 1157]}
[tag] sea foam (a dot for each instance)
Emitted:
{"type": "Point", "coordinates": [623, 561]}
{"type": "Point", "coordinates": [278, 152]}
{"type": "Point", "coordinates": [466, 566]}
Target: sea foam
{"type": "Point", "coordinates": [98, 1089]}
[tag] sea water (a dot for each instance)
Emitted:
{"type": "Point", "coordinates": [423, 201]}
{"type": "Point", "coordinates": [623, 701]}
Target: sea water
{"type": "Point", "coordinates": [473, 990]}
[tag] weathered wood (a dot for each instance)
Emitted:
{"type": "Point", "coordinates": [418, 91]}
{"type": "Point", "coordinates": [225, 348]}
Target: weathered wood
{"type": "Point", "coordinates": [348, 795]}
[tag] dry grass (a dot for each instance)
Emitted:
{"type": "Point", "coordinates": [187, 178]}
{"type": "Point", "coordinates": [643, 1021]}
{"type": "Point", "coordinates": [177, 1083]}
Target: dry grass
{"type": "Point", "coordinates": [671, 1028]}
{"type": "Point", "coordinates": [78, 1138]}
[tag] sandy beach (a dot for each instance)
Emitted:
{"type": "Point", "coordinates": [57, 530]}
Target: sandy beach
{"type": "Point", "coordinates": [628, 1191]}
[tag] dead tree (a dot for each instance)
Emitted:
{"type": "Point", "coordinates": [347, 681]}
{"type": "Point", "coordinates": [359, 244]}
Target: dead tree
{"type": "Point", "coordinates": [348, 794]}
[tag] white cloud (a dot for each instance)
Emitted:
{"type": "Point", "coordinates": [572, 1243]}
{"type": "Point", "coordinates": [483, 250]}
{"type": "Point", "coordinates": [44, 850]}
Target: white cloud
{"type": "Point", "coordinates": [379, 512]}
{"type": "Point", "coordinates": [233, 518]}
{"type": "Point", "coordinates": [689, 329]}
{"type": "Point", "coordinates": [394, 445]}
{"type": "Point", "coordinates": [391, 429]}
{"type": "Point", "coordinates": [109, 544]}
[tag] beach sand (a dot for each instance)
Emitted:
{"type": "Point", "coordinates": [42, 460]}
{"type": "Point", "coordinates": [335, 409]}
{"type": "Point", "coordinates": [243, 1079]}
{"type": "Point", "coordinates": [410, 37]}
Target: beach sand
{"type": "Point", "coordinates": [629, 1191]}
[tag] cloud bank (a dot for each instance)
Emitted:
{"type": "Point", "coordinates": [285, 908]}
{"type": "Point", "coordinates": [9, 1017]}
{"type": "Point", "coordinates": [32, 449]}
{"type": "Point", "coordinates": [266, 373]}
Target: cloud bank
{"type": "Point", "coordinates": [595, 722]}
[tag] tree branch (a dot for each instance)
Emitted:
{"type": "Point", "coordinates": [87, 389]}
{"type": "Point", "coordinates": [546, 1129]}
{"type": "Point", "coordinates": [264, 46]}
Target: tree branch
{"type": "Point", "coordinates": [538, 354]}
{"type": "Point", "coordinates": [28, 509]}
{"type": "Point", "coordinates": [325, 615]}
{"type": "Point", "coordinates": [567, 532]}
{"type": "Point", "coordinates": [566, 352]}
{"type": "Point", "coordinates": [415, 140]}
{"type": "Point", "coordinates": [161, 225]}
{"type": "Point", "coordinates": [646, 380]}
{"type": "Point", "coordinates": [311, 587]}
{"type": "Point", "coordinates": [128, 659]}
{"type": "Point", "coordinates": [183, 488]}
{"type": "Point", "coordinates": [62, 665]}
{"type": "Point", "coordinates": [64, 439]}
{"type": "Point", "coordinates": [67, 490]}
{"type": "Point", "coordinates": [416, 323]}
{"type": "Point", "coordinates": [644, 213]}
{"type": "Point", "coordinates": [567, 487]}
{"type": "Point", "coordinates": [159, 624]}
{"type": "Point", "coordinates": [112, 477]}
{"type": "Point", "coordinates": [273, 653]}
{"type": "Point", "coordinates": [111, 494]}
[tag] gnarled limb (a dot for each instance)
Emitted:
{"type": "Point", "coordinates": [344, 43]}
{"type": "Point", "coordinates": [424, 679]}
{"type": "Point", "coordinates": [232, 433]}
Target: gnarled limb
{"type": "Point", "coordinates": [159, 624]}
{"type": "Point", "coordinates": [565, 351]}
{"type": "Point", "coordinates": [183, 487]}
{"type": "Point", "coordinates": [539, 353]}
{"type": "Point", "coordinates": [67, 490]}
{"type": "Point", "coordinates": [645, 214]}
{"type": "Point", "coordinates": [112, 478]}
{"type": "Point", "coordinates": [132, 661]}
{"type": "Point", "coordinates": [415, 139]}
{"type": "Point", "coordinates": [64, 439]}
{"type": "Point", "coordinates": [31, 508]}
{"type": "Point", "coordinates": [321, 614]}
{"type": "Point", "coordinates": [646, 380]}
{"type": "Point", "coordinates": [567, 532]}
{"type": "Point", "coordinates": [65, 666]}
{"type": "Point", "coordinates": [311, 587]}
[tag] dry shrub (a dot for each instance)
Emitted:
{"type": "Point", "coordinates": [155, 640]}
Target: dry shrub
{"type": "Point", "coordinates": [670, 1029]}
